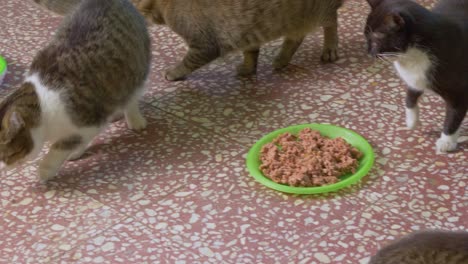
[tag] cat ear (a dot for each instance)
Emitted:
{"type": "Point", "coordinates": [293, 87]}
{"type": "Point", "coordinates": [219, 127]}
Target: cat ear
{"type": "Point", "coordinates": [16, 122]}
{"type": "Point", "coordinates": [11, 127]}
{"type": "Point", "coordinates": [374, 3]}
{"type": "Point", "coordinates": [394, 21]}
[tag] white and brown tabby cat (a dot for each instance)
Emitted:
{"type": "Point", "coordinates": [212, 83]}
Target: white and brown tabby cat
{"type": "Point", "coordinates": [213, 28]}
{"type": "Point", "coordinates": [426, 247]}
{"type": "Point", "coordinates": [431, 51]}
{"type": "Point", "coordinates": [95, 67]}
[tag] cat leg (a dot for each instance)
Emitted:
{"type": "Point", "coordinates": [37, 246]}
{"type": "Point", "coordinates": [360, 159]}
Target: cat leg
{"type": "Point", "coordinates": [87, 134]}
{"type": "Point", "coordinates": [193, 60]}
{"type": "Point", "coordinates": [330, 44]}
{"type": "Point", "coordinates": [116, 117]}
{"type": "Point", "coordinates": [249, 66]}
{"type": "Point", "coordinates": [58, 153]}
{"type": "Point", "coordinates": [454, 116]}
{"type": "Point", "coordinates": [289, 47]}
{"type": "Point", "coordinates": [133, 116]}
{"type": "Point", "coordinates": [78, 152]}
{"type": "Point", "coordinates": [412, 108]}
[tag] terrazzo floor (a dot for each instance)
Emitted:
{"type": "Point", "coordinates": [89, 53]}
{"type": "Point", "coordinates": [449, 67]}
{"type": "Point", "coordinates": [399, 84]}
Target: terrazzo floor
{"type": "Point", "coordinates": [179, 192]}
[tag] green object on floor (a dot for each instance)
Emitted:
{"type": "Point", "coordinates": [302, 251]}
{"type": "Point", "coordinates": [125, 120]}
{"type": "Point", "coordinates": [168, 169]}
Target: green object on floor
{"type": "Point", "coordinates": [3, 67]}
{"type": "Point", "coordinates": [353, 138]}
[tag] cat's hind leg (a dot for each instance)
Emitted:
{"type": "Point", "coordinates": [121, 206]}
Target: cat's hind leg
{"type": "Point", "coordinates": [87, 134]}
{"type": "Point", "coordinates": [116, 117]}
{"type": "Point", "coordinates": [453, 118]}
{"type": "Point", "coordinates": [412, 108]}
{"type": "Point", "coordinates": [195, 58]}
{"type": "Point", "coordinates": [249, 66]}
{"type": "Point", "coordinates": [133, 116]}
{"type": "Point", "coordinates": [330, 44]}
{"type": "Point", "coordinates": [289, 47]}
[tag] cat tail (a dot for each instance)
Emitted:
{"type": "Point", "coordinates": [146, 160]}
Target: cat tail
{"type": "Point", "coordinates": [61, 7]}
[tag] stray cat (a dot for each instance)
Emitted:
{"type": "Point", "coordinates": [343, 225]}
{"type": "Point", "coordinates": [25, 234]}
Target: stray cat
{"type": "Point", "coordinates": [94, 68]}
{"type": "Point", "coordinates": [431, 51]}
{"type": "Point", "coordinates": [426, 247]}
{"type": "Point", "coordinates": [213, 28]}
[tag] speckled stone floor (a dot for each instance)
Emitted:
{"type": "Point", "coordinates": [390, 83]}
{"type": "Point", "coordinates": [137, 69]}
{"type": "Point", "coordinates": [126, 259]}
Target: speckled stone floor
{"type": "Point", "coordinates": [179, 192]}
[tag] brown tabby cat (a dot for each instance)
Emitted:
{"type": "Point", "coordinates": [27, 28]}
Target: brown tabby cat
{"type": "Point", "coordinates": [426, 247]}
{"type": "Point", "coordinates": [94, 68]}
{"type": "Point", "coordinates": [213, 28]}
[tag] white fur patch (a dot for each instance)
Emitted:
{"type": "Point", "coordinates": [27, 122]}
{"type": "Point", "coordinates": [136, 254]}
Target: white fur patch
{"type": "Point", "coordinates": [447, 143]}
{"type": "Point", "coordinates": [2, 165]}
{"type": "Point", "coordinates": [412, 117]}
{"type": "Point", "coordinates": [413, 67]}
{"type": "Point", "coordinates": [55, 122]}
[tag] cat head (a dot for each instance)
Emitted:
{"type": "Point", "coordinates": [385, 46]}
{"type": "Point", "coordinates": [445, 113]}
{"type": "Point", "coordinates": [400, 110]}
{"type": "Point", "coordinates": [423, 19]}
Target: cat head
{"type": "Point", "coordinates": [15, 140]}
{"type": "Point", "coordinates": [152, 10]}
{"type": "Point", "coordinates": [388, 27]}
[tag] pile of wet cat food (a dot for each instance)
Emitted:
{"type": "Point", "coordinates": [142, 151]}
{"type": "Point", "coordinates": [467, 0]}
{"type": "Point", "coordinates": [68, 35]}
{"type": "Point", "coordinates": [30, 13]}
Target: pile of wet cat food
{"type": "Point", "coordinates": [308, 159]}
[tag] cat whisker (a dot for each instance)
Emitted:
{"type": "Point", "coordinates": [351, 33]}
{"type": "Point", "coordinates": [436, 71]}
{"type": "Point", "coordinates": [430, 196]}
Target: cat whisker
{"type": "Point", "coordinates": [388, 57]}
{"type": "Point", "coordinates": [389, 54]}
{"type": "Point", "coordinates": [382, 59]}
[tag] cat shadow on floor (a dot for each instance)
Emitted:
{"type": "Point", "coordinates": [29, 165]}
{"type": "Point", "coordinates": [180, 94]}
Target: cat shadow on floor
{"type": "Point", "coordinates": [117, 151]}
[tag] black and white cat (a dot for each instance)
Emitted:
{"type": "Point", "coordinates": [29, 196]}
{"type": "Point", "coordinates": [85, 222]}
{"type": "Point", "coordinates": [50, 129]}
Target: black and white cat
{"type": "Point", "coordinates": [431, 52]}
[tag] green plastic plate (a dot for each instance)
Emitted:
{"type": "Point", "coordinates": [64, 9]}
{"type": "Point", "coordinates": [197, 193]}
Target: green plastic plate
{"type": "Point", "coordinates": [3, 66]}
{"type": "Point", "coordinates": [353, 138]}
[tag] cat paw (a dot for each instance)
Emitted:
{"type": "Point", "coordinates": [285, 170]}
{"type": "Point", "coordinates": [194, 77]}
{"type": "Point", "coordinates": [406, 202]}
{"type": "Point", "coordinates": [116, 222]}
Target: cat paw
{"type": "Point", "coordinates": [412, 125]}
{"type": "Point", "coordinates": [329, 55]}
{"type": "Point", "coordinates": [412, 118]}
{"type": "Point", "coordinates": [76, 155]}
{"type": "Point", "coordinates": [45, 174]}
{"type": "Point", "coordinates": [137, 122]}
{"type": "Point", "coordinates": [173, 74]}
{"type": "Point", "coordinates": [446, 143]}
{"type": "Point", "coordinates": [245, 71]}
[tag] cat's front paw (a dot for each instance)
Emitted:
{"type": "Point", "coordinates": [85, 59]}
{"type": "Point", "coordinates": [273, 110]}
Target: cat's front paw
{"type": "Point", "coordinates": [174, 74]}
{"type": "Point", "coordinates": [46, 173]}
{"type": "Point", "coordinates": [137, 122]}
{"type": "Point", "coordinates": [329, 54]}
{"type": "Point", "coordinates": [446, 143]}
{"type": "Point", "coordinates": [412, 118]}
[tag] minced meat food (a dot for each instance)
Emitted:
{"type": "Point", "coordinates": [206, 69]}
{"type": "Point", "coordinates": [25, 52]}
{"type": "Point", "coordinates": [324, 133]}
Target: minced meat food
{"type": "Point", "coordinates": [308, 159]}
